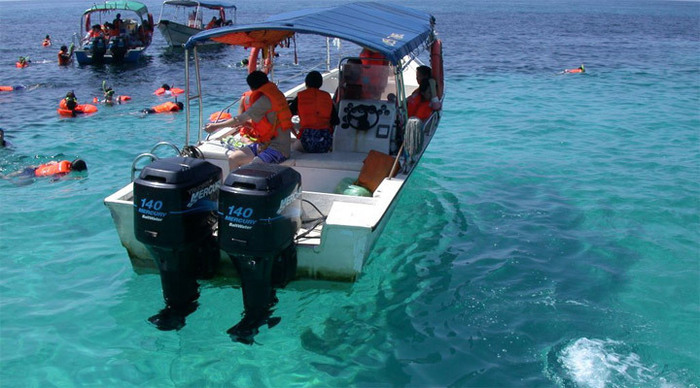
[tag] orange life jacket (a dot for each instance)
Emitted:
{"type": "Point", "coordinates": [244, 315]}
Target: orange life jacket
{"type": "Point", "coordinates": [369, 57]}
{"type": "Point", "coordinates": [63, 58]}
{"type": "Point", "coordinates": [95, 34]}
{"type": "Point", "coordinates": [53, 168]}
{"type": "Point", "coordinates": [167, 106]}
{"type": "Point", "coordinates": [315, 107]}
{"type": "Point", "coordinates": [418, 107]}
{"type": "Point", "coordinates": [374, 74]}
{"type": "Point", "coordinates": [263, 131]}
{"type": "Point", "coordinates": [172, 91]}
{"type": "Point", "coordinates": [46, 42]}
{"type": "Point", "coordinates": [246, 101]}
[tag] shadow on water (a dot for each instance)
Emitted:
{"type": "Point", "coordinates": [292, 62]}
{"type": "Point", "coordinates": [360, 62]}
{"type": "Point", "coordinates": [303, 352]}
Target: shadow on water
{"type": "Point", "coordinates": [490, 277]}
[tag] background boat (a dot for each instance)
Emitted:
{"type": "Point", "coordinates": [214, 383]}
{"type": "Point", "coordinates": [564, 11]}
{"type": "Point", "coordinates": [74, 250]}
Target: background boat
{"type": "Point", "coordinates": [187, 18]}
{"type": "Point", "coordinates": [134, 35]}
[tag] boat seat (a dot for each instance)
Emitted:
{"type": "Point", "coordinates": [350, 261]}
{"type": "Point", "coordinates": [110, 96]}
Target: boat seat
{"type": "Point", "coordinates": [336, 160]}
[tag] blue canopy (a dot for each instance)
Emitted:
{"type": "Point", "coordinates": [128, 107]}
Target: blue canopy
{"type": "Point", "coordinates": [389, 29]}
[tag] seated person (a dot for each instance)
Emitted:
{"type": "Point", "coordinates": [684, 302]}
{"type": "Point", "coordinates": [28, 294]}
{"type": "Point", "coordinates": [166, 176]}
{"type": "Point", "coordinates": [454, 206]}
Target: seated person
{"type": "Point", "coordinates": [375, 74]}
{"type": "Point", "coordinates": [95, 32]}
{"type": "Point", "coordinates": [418, 104]}
{"type": "Point", "coordinates": [266, 120]}
{"type": "Point", "coordinates": [317, 115]}
{"type": "Point", "coordinates": [165, 107]}
{"type": "Point", "coordinates": [212, 23]}
{"type": "Point", "coordinates": [424, 72]}
{"type": "Point", "coordinates": [350, 87]}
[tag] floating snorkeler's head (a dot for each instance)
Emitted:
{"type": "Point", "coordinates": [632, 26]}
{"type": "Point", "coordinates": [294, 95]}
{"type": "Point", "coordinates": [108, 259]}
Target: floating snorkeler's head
{"type": "Point", "coordinates": [78, 165]}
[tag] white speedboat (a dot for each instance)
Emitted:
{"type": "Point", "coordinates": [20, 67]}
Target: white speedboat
{"type": "Point", "coordinates": [272, 223]}
{"type": "Point", "coordinates": [181, 19]}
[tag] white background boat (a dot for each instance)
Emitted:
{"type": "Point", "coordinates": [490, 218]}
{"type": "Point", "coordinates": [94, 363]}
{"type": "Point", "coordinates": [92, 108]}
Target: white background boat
{"type": "Point", "coordinates": [181, 19]}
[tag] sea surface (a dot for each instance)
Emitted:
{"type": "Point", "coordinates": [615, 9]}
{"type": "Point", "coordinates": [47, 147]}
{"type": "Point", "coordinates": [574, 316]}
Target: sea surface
{"type": "Point", "coordinates": [549, 237]}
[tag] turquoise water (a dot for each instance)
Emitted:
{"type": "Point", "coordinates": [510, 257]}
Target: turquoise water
{"type": "Point", "coordinates": [548, 238]}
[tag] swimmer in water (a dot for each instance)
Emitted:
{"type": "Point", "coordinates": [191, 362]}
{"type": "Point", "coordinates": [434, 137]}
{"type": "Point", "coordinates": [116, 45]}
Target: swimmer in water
{"type": "Point", "coordinates": [53, 169]}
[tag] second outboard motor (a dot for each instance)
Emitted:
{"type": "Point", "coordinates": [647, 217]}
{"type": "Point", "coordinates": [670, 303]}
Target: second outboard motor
{"type": "Point", "coordinates": [117, 46]}
{"type": "Point", "coordinates": [175, 201]}
{"type": "Point", "coordinates": [259, 215]}
{"type": "Point", "coordinates": [99, 49]}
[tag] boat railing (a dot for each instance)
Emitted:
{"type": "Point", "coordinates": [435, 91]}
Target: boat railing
{"type": "Point", "coordinates": [165, 144]}
{"type": "Point", "coordinates": [137, 159]}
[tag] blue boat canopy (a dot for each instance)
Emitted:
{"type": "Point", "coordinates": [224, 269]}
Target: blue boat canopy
{"type": "Point", "coordinates": [392, 30]}
{"type": "Point", "coordinates": [204, 4]}
{"type": "Point", "coordinates": [108, 6]}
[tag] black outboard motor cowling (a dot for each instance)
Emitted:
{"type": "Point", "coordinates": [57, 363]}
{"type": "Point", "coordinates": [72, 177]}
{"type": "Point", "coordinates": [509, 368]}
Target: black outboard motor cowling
{"type": "Point", "coordinates": [175, 201]}
{"type": "Point", "coordinates": [99, 48]}
{"type": "Point", "coordinates": [259, 215]}
{"type": "Point", "coordinates": [118, 48]}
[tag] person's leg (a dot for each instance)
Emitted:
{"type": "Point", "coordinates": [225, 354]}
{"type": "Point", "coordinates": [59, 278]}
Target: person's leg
{"type": "Point", "coordinates": [240, 157]}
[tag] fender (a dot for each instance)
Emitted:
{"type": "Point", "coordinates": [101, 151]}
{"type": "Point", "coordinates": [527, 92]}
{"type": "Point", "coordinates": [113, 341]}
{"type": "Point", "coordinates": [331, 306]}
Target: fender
{"type": "Point", "coordinates": [436, 65]}
{"type": "Point", "coordinates": [253, 60]}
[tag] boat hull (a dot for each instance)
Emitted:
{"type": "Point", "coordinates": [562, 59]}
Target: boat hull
{"type": "Point", "coordinates": [338, 254]}
{"type": "Point", "coordinates": [84, 57]}
{"type": "Point", "coordinates": [177, 34]}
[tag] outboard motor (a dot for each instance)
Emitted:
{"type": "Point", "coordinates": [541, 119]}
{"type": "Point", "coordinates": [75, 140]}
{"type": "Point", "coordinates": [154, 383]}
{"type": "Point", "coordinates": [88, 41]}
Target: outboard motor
{"type": "Point", "coordinates": [259, 215]}
{"type": "Point", "coordinates": [99, 48]}
{"type": "Point", "coordinates": [118, 48]}
{"type": "Point", "coordinates": [175, 217]}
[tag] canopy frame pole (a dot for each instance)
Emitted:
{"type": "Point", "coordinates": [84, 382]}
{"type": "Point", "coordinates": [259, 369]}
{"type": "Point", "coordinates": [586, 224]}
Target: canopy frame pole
{"type": "Point", "coordinates": [199, 95]}
{"type": "Point", "coordinates": [189, 96]}
{"type": "Point", "coordinates": [328, 54]}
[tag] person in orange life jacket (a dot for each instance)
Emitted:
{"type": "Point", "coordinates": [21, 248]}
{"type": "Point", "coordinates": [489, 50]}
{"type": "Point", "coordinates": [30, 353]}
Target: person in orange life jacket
{"type": "Point", "coordinates": [165, 107]}
{"type": "Point", "coordinates": [212, 23]}
{"type": "Point", "coordinates": [65, 55]}
{"type": "Point", "coordinates": [350, 87]}
{"type": "Point", "coordinates": [317, 115]}
{"type": "Point", "coordinates": [424, 72]}
{"type": "Point", "coordinates": [51, 169]}
{"type": "Point", "coordinates": [23, 62]}
{"type": "Point", "coordinates": [47, 41]}
{"type": "Point", "coordinates": [267, 120]}
{"type": "Point", "coordinates": [95, 32]}
{"type": "Point", "coordinates": [375, 73]}
{"type": "Point", "coordinates": [70, 102]}
{"type": "Point", "coordinates": [418, 104]}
